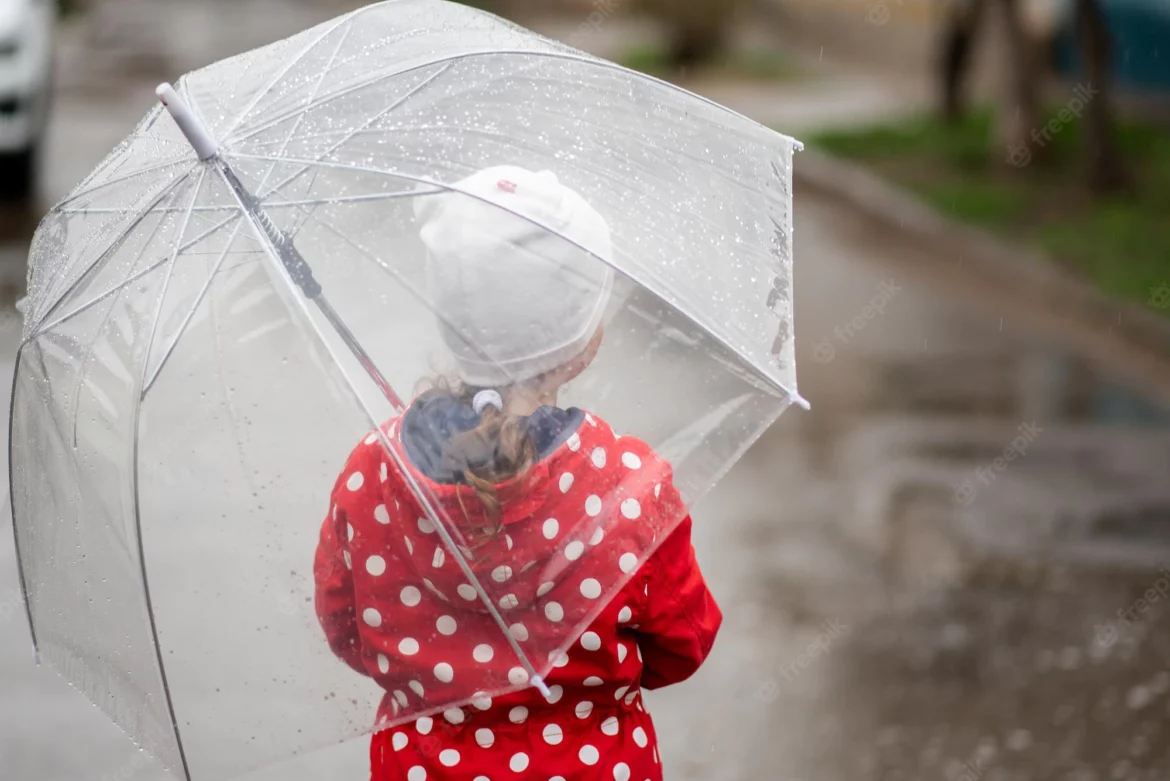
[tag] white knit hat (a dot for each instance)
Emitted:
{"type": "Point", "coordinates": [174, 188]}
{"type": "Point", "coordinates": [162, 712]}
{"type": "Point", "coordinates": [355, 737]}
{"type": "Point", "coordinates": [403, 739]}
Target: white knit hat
{"type": "Point", "coordinates": [514, 296]}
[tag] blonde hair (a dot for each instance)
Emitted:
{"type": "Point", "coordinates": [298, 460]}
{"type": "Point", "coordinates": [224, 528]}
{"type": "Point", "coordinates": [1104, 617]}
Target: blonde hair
{"type": "Point", "coordinates": [498, 450]}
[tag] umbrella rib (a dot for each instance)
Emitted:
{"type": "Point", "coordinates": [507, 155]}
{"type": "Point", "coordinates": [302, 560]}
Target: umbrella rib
{"type": "Point", "coordinates": [137, 513]}
{"type": "Point", "coordinates": [584, 59]}
{"type": "Point", "coordinates": [778, 385]}
{"type": "Point", "coordinates": [329, 164]}
{"type": "Point", "coordinates": [271, 204]}
{"type": "Point", "coordinates": [316, 91]}
{"type": "Point", "coordinates": [191, 312]}
{"type": "Point", "coordinates": [334, 96]}
{"type": "Point", "coordinates": [284, 71]}
{"type": "Point", "coordinates": [426, 82]}
{"type": "Point", "coordinates": [124, 178]}
{"type": "Point", "coordinates": [299, 223]}
{"type": "Point", "coordinates": [116, 241]}
{"type": "Point", "coordinates": [351, 199]}
{"type": "Point", "coordinates": [495, 135]}
{"type": "Point", "coordinates": [168, 210]}
{"type": "Point", "coordinates": [301, 117]}
{"type": "Point", "coordinates": [75, 395]}
{"type": "Point", "coordinates": [264, 124]}
{"type": "Point", "coordinates": [105, 318]}
{"type": "Point", "coordinates": [170, 273]}
{"type": "Point", "coordinates": [129, 280]}
{"type": "Point", "coordinates": [32, 630]}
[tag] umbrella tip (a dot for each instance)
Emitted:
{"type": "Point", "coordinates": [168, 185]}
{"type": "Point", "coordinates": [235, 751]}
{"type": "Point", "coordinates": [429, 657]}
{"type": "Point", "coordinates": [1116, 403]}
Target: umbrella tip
{"type": "Point", "coordinates": [541, 686]}
{"type": "Point", "coordinates": [196, 132]}
{"type": "Point", "coordinates": [801, 401]}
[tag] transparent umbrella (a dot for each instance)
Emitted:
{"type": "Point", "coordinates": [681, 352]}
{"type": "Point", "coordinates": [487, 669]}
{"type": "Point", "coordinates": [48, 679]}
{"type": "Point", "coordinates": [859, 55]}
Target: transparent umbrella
{"type": "Point", "coordinates": [240, 294]}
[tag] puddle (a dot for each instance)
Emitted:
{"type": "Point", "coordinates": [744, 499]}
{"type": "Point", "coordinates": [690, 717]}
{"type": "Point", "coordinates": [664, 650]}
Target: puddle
{"type": "Point", "coordinates": [1008, 507]}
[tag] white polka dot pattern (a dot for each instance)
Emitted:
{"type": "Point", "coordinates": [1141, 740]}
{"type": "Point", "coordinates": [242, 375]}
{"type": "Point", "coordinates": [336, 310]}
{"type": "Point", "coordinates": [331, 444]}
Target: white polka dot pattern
{"type": "Point", "coordinates": [426, 635]}
{"type": "Point", "coordinates": [553, 735]}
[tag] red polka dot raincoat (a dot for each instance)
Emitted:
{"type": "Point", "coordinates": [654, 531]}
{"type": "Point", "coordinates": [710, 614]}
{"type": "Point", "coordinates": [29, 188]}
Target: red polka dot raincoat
{"type": "Point", "coordinates": [592, 569]}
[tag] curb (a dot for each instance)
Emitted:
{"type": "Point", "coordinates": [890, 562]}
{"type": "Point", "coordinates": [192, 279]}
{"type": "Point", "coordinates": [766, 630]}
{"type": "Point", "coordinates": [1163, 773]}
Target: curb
{"type": "Point", "coordinates": [1027, 272]}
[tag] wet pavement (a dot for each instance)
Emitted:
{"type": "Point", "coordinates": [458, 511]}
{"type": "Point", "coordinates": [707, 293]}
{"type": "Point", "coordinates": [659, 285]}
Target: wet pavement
{"type": "Point", "coordinates": [955, 567]}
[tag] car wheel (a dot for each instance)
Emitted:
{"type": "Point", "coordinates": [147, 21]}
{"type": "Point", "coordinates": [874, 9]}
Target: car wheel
{"type": "Point", "coordinates": [18, 174]}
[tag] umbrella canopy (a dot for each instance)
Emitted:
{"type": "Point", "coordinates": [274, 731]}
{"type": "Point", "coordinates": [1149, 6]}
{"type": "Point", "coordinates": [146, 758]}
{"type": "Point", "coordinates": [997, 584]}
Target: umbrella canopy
{"type": "Point", "coordinates": [211, 330]}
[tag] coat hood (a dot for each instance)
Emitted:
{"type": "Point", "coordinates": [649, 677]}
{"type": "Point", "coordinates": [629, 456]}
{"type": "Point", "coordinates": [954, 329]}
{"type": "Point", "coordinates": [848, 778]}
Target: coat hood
{"type": "Point", "coordinates": [547, 524]}
{"type": "Point", "coordinates": [575, 529]}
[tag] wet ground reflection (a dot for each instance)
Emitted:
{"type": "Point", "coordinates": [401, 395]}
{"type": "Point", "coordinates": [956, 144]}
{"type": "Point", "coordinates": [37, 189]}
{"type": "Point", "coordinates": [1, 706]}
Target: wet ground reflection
{"type": "Point", "coordinates": [989, 598]}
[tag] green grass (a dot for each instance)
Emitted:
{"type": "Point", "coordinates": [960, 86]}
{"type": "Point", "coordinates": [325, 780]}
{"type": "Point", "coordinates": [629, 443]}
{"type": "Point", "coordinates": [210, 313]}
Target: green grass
{"type": "Point", "coordinates": [750, 65]}
{"type": "Point", "coordinates": [1121, 243]}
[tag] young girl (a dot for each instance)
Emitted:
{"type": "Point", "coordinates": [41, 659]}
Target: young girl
{"type": "Point", "coordinates": [552, 510]}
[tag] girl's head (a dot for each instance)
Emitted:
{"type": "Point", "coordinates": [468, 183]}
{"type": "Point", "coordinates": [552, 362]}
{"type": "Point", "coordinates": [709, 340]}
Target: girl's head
{"type": "Point", "coordinates": [510, 275]}
{"type": "Point", "coordinates": [520, 299]}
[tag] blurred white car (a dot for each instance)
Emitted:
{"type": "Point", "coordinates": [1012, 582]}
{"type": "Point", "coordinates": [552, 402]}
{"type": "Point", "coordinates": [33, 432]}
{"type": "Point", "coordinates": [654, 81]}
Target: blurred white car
{"type": "Point", "coordinates": [26, 66]}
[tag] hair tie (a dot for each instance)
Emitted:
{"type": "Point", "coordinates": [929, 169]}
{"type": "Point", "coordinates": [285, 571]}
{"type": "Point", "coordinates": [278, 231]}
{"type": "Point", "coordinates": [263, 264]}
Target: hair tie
{"type": "Point", "coordinates": [487, 398]}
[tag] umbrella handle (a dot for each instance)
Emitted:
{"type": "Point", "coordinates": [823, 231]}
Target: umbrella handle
{"type": "Point", "coordinates": [541, 686]}
{"type": "Point", "coordinates": [301, 274]}
{"type": "Point", "coordinates": [294, 262]}
{"type": "Point", "coordinates": [201, 140]}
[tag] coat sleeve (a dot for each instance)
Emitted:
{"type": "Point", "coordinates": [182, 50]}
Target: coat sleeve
{"type": "Point", "coordinates": [334, 590]}
{"type": "Point", "coordinates": [680, 619]}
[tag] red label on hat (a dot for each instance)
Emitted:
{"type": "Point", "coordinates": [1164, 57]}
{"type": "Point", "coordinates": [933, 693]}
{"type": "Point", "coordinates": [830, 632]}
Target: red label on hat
{"type": "Point", "coordinates": [506, 186]}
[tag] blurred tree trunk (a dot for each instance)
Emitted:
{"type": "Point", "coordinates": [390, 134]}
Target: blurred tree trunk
{"type": "Point", "coordinates": [1107, 172]}
{"type": "Point", "coordinates": [694, 44]}
{"type": "Point", "coordinates": [1018, 115]}
{"type": "Point", "coordinates": [696, 29]}
{"type": "Point", "coordinates": [960, 33]}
